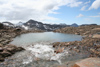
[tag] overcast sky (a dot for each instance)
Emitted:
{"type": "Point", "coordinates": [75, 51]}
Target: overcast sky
{"type": "Point", "coordinates": [51, 11]}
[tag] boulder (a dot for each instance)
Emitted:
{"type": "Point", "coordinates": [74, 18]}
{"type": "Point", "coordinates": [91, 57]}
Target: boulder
{"type": "Point", "coordinates": [1, 49]}
{"type": "Point", "coordinates": [19, 49]}
{"type": "Point", "coordinates": [96, 36]}
{"type": "Point", "coordinates": [12, 48]}
{"type": "Point", "coordinates": [5, 54]}
{"type": "Point", "coordinates": [1, 45]}
{"type": "Point", "coordinates": [59, 50]}
{"type": "Point", "coordinates": [89, 62]}
{"type": "Point", "coordinates": [1, 59]}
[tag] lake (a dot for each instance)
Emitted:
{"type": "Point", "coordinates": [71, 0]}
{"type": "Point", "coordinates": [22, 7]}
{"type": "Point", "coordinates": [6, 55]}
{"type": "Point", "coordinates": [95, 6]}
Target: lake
{"type": "Point", "coordinates": [29, 38]}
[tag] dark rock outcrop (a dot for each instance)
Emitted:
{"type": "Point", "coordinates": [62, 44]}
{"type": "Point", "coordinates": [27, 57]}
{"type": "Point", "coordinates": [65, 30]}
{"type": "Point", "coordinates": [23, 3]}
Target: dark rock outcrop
{"type": "Point", "coordinates": [1, 26]}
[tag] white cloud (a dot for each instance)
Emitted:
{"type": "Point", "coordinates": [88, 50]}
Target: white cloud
{"type": "Point", "coordinates": [83, 8]}
{"type": "Point", "coordinates": [95, 16]}
{"type": "Point", "coordinates": [95, 5]}
{"type": "Point", "coordinates": [32, 9]}
{"type": "Point", "coordinates": [85, 5]}
{"type": "Point", "coordinates": [80, 15]}
{"type": "Point", "coordinates": [87, 2]}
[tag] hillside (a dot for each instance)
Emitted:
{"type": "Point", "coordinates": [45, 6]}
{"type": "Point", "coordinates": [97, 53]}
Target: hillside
{"type": "Point", "coordinates": [81, 30]}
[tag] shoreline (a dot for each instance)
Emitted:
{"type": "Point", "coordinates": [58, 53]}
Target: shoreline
{"type": "Point", "coordinates": [90, 39]}
{"type": "Point", "coordinates": [6, 36]}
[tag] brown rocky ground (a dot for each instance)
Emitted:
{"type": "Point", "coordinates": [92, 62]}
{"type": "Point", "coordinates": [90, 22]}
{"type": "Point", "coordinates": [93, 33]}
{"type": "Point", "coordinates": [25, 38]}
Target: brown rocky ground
{"type": "Point", "coordinates": [90, 41]}
{"type": "Point", "coordinates": [6, 35]}
{"type": "Point", "coordinates": [81, 30]}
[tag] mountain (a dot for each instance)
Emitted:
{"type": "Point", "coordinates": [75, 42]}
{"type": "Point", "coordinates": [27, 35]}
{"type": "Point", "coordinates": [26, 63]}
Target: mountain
{"type": "Point", "coordinates": [87, 24]}
{"type": "Point", "coordinates": [74, 25]}
{"type": "Point", "coordinates": [8, 24]}
{"type": "Point", "coordinates": [19, 24]}
{"type": "Point", "coordinates": [32, 24]}
{"type": "Point", "coordinates": [35, 25]}
{"type": "Point", "coordinates": [1, 26]}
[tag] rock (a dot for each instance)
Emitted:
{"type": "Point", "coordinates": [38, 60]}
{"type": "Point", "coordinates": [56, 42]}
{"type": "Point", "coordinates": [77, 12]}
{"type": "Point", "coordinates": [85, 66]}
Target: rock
{"type": "Point", "coordinates": [56, 65]}
{"type": "Point", "coordinates": [76, 50]}
{"type": "Point", "coordinates": [89, 62]}
{"type": "Point", "coordinates": [1, 49]}
{"type": "Point", "coordinates": [17, 30]}
{"type": "Point", "coordinates": [59, 50]}
{"type": "Point", "coordinates": [96, 36]}
{"type": "Point", "coordinates": [1, 45]}
{"type": "Point", "coordinates": [20, 49]}
{"type": "Point", "coordinates": [12, 48]}
{"type": "Point", "coordinates": [61, 66]}
{"type": "Point", "coordinates": [1, 59]}
{"type": "Point", "coordinates": [5, 54]}
{"type": "Point", "coordinates": [56, 44]}
{"type": "Point", "coordinates": [1, 26]}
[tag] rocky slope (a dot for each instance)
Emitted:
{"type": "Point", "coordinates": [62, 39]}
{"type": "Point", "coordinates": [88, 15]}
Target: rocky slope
{"type": "Point", "coordinates": [89, 43]}
{"type": "Point", "coordinates": [6, 35]}
{"type": "Point", "coordinates": [91, 37]}
{"type": "Point", "coordinates": [81, 30]}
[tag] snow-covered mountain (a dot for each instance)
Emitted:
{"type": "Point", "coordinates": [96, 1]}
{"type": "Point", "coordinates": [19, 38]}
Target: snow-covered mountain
{"type": "Point", "coordinates": [35, 25]}
{"type": "Point", "coordinates": [8, 24]}
{"type": "Point", "coordinates": [32, 24]}
{"type": "Point", "coordinates": [19, 24]}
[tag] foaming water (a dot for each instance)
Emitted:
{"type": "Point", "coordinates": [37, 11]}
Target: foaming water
{"type": "Point", "coordinates": [46, 52]}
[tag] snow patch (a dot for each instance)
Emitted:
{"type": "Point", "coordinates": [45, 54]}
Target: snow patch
{"type": "Point", "coordinates": [25, 27]}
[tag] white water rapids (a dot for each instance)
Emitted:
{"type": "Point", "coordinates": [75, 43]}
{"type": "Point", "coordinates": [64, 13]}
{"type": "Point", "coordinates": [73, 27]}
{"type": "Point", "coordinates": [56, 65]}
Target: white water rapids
{"type": "Point", "coordinates": [45, 52]}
